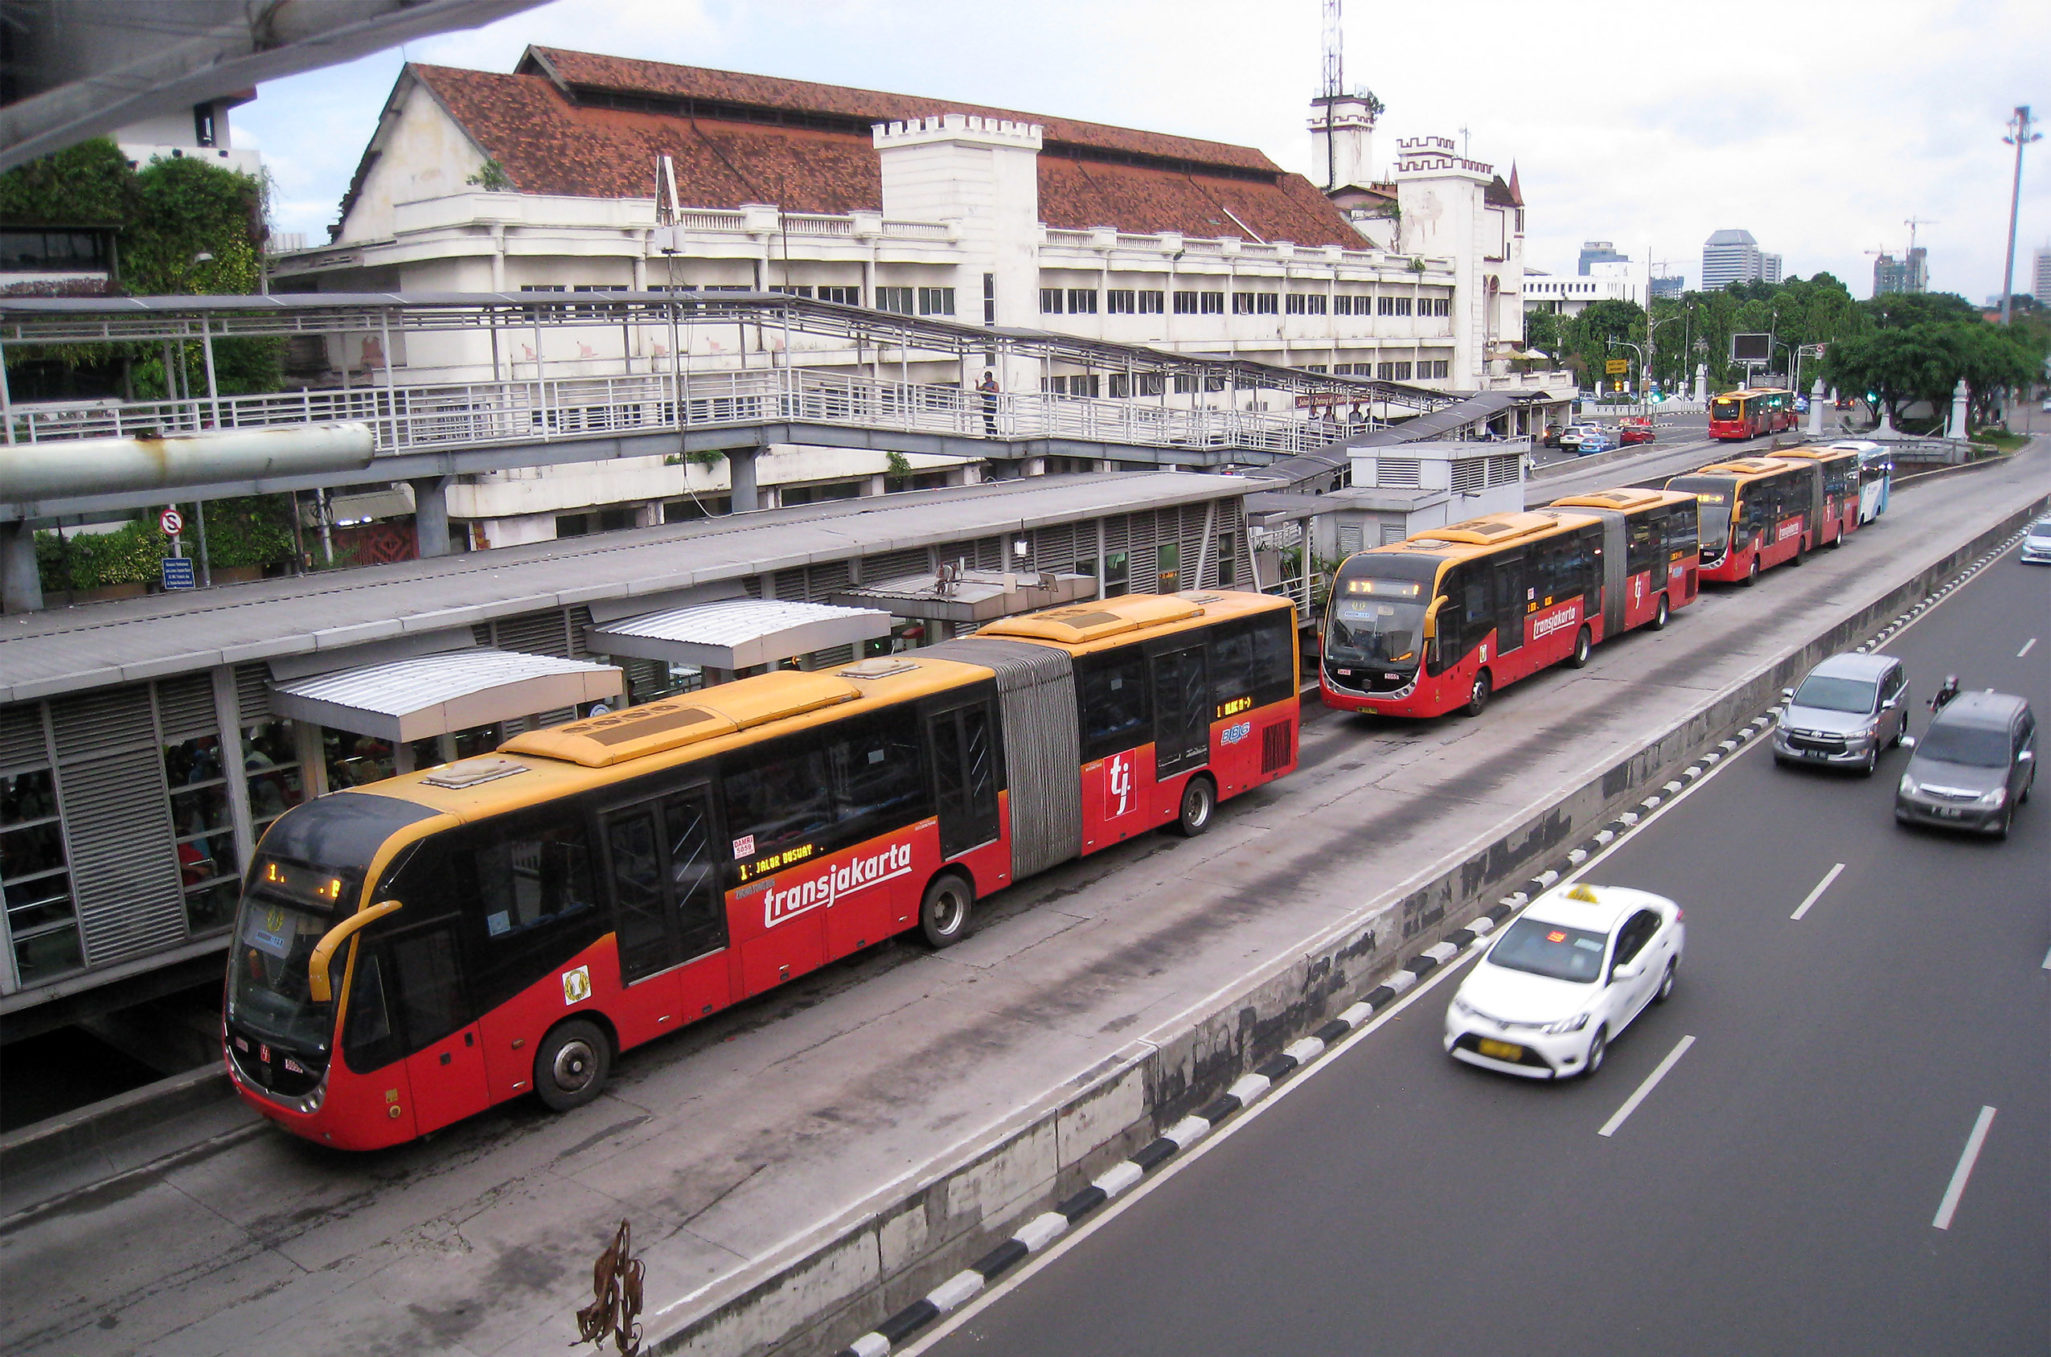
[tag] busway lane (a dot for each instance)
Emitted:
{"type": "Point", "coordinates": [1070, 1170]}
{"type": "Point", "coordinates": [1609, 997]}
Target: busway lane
{"type": "Point", "coordinates": [1775, 1193]}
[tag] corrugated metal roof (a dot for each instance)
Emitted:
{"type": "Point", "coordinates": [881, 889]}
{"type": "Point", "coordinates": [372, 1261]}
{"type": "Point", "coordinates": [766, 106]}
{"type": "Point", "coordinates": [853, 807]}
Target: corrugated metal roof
{"type": "Point", "coordinates": [739, 633]}
{"type": "Point", "coordinates": [436, 694]}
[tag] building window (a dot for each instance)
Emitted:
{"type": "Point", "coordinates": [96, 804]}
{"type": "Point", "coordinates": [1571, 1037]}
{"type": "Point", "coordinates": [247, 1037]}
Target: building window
{"type": "Point", "coordinates": [1402, 373]}
{"type": "Point", "coordinates": [1121, 301]}
{"type": "Point", "coordinates": [1050, 301]}
{"type": "Point", "coordinates": [1185, 382]}
{"type": "Point", "coordinates": [593, 310]}
{"type": "Point", "coordinates": [1267, 303]}
{"type": "Point", "coordinates": [1385, 371]}
{"type": "Point", "coordinates": [791, 290]}
{"type": "Point", "coordinates": [1168, 568]}
{"type": "Point", "coordinates": [1150, 303]}
{"type": "Point", "coordinates": [894, 299]}
{"type": "Point", "coordinates": [537, 311]}
{"type": "Point", "coordinates": [1297, 305]}
{"type": "Point", "coordinates": [989, 299]}
{"type": "Point", "coordinates": [1085, 384]}
{"type": "Point", "coordinates": [1185, 303]}
{"type": "Point", "coordinates": [1211, 303]}
{"type": "Point", "coordinates": [1345, 304]}
{"type": "Point", "coordinates": [1117, 573]}
{"type": "Point", "coordinates": [270, 768]}
{"type": "Point", "coordinates": [1318, 368]}
{"type": "Point", "coordinates": [35, 878]}
{"type": "Point", "coordinates": [208, 867]}
{"type": "Point", "coordinates": [1227, 560]}
{"type": "Point", "coordinates": [843, 296]}
{"type": "Point", "coordinates": [1119, 385]}
{"type": "Point", "coordinates": [936, 301]}
{"type": "Point", "coordinates": [1316, 301]}
{"type": "Point", "coordinates": [1082, 301]}
{"type": "Point", "coordinates": [1242, 303]}
{"type": "Point", "coordinates": [203, 132]}
{"type": "Point", "coordinates": [1151, 384]}
{"type": "Point", "coordinates": [1214, 381]}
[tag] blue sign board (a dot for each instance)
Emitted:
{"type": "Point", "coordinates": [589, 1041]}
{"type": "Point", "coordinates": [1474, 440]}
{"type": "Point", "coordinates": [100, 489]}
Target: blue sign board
{"type": "Point", "coordinates": [178, 572]}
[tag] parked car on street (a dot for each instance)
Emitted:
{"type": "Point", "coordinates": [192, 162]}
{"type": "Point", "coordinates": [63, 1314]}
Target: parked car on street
{"type": "Point", "coordinates": [1598, 440]}
{"type": "Point", "coordinates": [1570, 438]}
{"type": "Point", "coordinates": [1564, 980]}
{"type": "Point", "coordinates": [1551, 437]}
{"type": "Point", "coordinates": [1972, 767]}
{"type": "Point", "coordinates": [1845, 713]}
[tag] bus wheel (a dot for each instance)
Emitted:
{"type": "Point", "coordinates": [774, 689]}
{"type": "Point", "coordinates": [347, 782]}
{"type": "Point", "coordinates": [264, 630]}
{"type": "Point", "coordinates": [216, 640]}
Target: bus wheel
{"type": "Point", "coordinates": [1659, 618]}
{"type": "Point", "coordinates": [1477, 696]}
{"type": "Point", "coordinates": [1752, 574]}
{"type": "Point", "coordinates": [571, 1067]}
{"type": "Point", "coordinates": [944, 913]}
{"type": "Point", "coordinates": [1199, 799]}
{"type": "Point", "coordinates": [1582, 646]}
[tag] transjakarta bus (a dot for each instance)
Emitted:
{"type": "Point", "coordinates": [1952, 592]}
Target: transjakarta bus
{"type": "Point", "coordinates": [1443, 618]}
{"type": "Point", "coordinates": [1751, 413]}
{"type": "Point", "coordinates": [1876, 476]}
{"type": "Point", "coordinates": [1755, 514]}
{"type": "Point", "coordinates": [1651, 560]}
{"type": "Point", "coordinates": [414, 951]}
{"type": "Point", "coordinates": [1833, 479]}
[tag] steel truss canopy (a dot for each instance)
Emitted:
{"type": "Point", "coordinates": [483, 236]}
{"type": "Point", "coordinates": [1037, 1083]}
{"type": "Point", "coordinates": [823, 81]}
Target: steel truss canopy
{"type": "Point", "coordinates": [970, 596]}
{"type": "Point", "coordinates": [88, 67]}
{"type": "Point", "coordinates": [87, 320]}
{"type": "Point", "coordinates": [412, 699]}
{"type": "Point", "coordinates": [738, 633]}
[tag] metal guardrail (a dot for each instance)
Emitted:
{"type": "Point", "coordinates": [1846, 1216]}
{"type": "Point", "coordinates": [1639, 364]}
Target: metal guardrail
{"type": "Point", "coordinates": [440, 416]}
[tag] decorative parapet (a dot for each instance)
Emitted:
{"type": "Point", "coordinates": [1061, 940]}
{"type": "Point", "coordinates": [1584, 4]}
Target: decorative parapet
{"type": "Point", "coordinates": [956, 127]}
{"type": "Point", "coordinates": [1425, 155]}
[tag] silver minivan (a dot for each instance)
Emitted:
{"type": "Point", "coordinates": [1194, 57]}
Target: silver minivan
{"type": "Point", "coordinates": [1844, 713]}
{"type": "Point", "coordinates": [1973, 766]}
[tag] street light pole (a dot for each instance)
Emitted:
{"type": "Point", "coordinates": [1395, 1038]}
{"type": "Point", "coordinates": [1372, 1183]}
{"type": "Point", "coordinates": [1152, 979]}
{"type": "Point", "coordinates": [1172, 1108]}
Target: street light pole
{"type": "Point", "coordinates": [2019, 136]}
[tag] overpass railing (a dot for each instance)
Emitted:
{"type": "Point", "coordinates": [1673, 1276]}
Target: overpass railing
{"type": "Point", "coordinates": [438, 417]}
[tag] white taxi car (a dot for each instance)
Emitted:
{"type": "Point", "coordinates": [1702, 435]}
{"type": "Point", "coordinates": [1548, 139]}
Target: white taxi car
{"type": "Point", "coordinates": [1564, 979]}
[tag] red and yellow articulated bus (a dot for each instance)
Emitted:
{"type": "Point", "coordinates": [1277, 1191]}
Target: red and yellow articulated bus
{"type": "Point", "coordinates": [1755, 515]}
{"type": "Point", "coordinates": [1444, 618]}
{"type": "Point", "coordinates": [1751, 413]}
{"type": "Point", "coordinates": [411, 952]}
{"type": "Point", "coordinates": [1835, 478]}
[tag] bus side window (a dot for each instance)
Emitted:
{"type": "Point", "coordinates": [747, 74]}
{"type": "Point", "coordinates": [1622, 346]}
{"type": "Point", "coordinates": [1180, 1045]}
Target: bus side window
{"type": "Point", "coordinates": [1112, 692]}
{"type": "Point", "coordinates": [429, 985]}
{"type": "Point", "coordinates": [877, 770]}
{"type": "Point", "coordinates": [1274, 658]}
{"type": "Point", "coordinates": [369, 1020]}
{"type": "Point", "coordinates": [1231, 664]}
{"type": "Point", "coordinates": [780, 794]}
{"type": "Point", "coordinates": [530, 874]}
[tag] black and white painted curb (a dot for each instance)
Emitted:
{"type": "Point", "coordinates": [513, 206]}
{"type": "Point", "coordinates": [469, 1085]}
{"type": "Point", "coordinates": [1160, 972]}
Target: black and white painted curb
{"type": "Point", "coordinates": [1042, 1230]}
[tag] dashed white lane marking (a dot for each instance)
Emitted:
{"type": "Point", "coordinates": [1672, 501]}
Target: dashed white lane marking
{"type": "Point", "coordinates": [2026, 647]}
{"type": "Point", "coordinates": [1949, 1205]}
{"type": "Point", "coordinates": [1817, 894]}
{"type": "Point", "coordinates": [1609, 1128]}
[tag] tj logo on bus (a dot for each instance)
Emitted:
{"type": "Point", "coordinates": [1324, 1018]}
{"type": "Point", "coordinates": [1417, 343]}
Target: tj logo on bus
{"type": "Point", "coordinates": [1118, 781]}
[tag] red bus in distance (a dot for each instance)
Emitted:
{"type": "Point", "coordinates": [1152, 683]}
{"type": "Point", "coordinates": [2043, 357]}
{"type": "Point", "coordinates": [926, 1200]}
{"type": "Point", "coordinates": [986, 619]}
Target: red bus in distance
{"type": "Point", "coordinates": [1751, 413]}
{"type": "Point", "coordinates": [1835, 478]}
{"type": "Point", "coordinates": [1755, 515]}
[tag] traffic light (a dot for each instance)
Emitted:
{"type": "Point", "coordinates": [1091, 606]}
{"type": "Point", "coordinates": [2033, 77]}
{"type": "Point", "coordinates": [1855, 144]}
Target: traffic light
{"type": "Point", "coordinates": [1872, 398]}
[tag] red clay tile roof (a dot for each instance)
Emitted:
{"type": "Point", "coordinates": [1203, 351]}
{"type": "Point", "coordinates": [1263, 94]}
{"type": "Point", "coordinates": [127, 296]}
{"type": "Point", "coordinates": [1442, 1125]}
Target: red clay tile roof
{"type": "Point", "coordinates": [807, 148]}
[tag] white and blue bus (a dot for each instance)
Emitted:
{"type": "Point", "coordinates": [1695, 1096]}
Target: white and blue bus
{"type": "Point", "coordinates": [1876, 476]}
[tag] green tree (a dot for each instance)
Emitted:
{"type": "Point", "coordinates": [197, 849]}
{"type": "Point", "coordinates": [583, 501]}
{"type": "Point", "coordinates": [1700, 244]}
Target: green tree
{"type": "Point", "coordinates": [182, 226]}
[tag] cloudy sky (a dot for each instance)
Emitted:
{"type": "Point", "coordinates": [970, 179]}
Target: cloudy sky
{"type": "Point", "coordinates": [1819, 125]}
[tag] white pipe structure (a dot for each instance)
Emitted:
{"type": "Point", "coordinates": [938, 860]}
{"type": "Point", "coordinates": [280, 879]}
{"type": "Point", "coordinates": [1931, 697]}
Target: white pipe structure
{"type": "Point", "coordinates": [79, 466]}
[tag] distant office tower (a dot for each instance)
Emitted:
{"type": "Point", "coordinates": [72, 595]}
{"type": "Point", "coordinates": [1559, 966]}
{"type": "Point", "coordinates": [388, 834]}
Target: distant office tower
{"type": "Point", "coordinates": [1731, 257]}
{"type": "Point", "coordinates": [1769, 267]}
{"type": "Point", "coordinates": [1891, 275]}
{"type": "Point", "coordinates": [1600, 252]}
{"type": "Point", "coordinates": [1669, 287]}
{"type": "Point", "coordinates": [2040, 286]}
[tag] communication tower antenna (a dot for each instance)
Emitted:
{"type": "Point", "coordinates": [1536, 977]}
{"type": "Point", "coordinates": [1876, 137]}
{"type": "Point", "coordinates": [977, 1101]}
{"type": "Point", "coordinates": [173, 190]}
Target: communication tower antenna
{"type": "Point", "coordinates": [1335, 65]}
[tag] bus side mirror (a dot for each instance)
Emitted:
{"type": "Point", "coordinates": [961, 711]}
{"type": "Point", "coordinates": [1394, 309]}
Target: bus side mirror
{"type": "Point", "coordinates": [320, 985]}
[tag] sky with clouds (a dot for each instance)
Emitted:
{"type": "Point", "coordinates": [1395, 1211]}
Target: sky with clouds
{"type": "Point", "coordinates": [1820, 126]}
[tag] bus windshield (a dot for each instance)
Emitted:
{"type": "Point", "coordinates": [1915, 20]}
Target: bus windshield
{"type": "Point", "coordinates": [1723, 409]}
{"type": "Point", "coordinates": [1714, 498]}
{"type": "Point", "coordinates": [1377, 615]}
{"type": "Point", "coordinates": [268, 984]}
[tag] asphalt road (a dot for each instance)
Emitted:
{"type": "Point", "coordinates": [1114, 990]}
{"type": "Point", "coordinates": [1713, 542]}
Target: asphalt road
{"type": "Point", "coordinates": [1775, 1193]}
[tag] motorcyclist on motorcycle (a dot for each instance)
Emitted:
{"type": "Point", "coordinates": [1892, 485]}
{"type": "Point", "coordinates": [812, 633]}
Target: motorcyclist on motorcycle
{"type": "Point", "coordinates": [1944, 694]}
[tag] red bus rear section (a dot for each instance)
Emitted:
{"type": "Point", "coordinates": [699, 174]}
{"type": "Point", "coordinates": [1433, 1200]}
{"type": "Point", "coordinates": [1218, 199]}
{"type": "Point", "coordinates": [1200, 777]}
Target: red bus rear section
{"type": "Point", "coordinates": [1751, 413]}
{"type": "Point", "coordinates": [1445, 618]}
{"type": "Point", "coordinates": [410, 953]}
{"type": "Point", "coordinates": [1834, 480]}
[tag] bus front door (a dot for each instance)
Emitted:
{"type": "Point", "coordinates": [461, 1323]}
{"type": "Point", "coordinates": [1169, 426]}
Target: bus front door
{"type": "Point", "coordinates": [1182, 712]}
{"type": "Point", "coordinates": [1511, 598]}
{"type": "Point", "coordinates": [964, 746]}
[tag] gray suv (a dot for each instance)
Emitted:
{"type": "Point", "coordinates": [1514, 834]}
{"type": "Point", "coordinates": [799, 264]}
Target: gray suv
{"type": "Point", "coordinates": [1849, 709]}
{"type": "Point", "coordinates": [1973, 767]}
